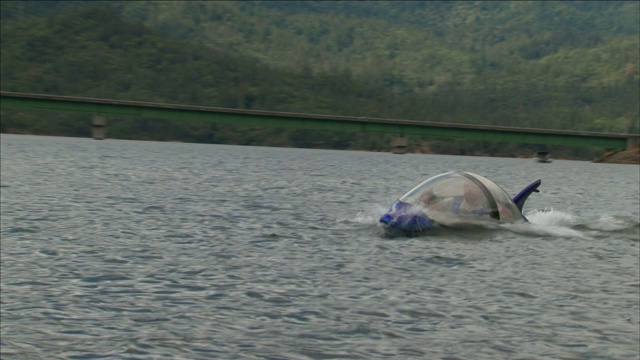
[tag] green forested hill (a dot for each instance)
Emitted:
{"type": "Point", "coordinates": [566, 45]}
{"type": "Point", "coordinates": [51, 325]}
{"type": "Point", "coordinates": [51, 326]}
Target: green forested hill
{"type": "Point", "coordinates": [567, 65]}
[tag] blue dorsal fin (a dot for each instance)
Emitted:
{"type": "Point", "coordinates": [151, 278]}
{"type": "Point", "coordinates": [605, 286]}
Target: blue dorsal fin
{"type": "Point", "coordinates": [524, 194]}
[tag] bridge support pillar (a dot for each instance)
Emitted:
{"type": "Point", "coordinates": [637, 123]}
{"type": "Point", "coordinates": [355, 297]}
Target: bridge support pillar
{"type": "Point", "coordinates": [399, 144]}
{"type": "Point", "coordinates": [98, 127]}
{"type": "Point", "coordinates": [633, 142]}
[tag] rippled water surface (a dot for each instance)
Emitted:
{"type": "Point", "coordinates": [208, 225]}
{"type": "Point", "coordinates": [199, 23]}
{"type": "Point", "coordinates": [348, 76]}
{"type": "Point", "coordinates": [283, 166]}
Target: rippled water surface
{"type": "Point", "coordinates": [141, 250]}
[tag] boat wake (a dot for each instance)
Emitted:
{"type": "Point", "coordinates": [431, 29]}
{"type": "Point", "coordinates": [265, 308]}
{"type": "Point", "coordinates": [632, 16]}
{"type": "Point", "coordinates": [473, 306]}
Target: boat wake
{"type": "Point", "coordinates": [556, 223]}
{"type": "Point", "coordinates": [542, 223]}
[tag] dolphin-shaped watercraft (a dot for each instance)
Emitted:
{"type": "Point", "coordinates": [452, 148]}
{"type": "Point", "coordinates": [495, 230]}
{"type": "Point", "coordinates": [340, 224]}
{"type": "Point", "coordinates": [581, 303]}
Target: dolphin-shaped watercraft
{"type": "Point", "coordinates": [453, 198]}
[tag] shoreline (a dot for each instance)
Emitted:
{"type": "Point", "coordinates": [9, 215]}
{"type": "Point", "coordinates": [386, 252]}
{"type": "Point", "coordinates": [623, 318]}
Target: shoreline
{"type": "Point", "coordinates": [631, 156]}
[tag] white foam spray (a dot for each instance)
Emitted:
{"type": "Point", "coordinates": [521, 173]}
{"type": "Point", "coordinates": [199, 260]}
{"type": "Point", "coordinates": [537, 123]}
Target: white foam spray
{"type": "Point", "coordinates": [549, 222]}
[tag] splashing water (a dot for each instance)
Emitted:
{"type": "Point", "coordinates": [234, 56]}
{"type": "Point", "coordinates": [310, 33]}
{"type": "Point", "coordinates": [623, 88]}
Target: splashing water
{"type": "Point", "coordinates": [557, 223]}
{"type": "Point", "coordinates": [370, 215]}
{"type": "Point", "coordinates": [546, 223]}
{"type": "Point", "coordinates": [551, 217]}
{"type": "Point", "coordinates": [613, 223]}
{"type": "Point", "coordinates": [549, 222]}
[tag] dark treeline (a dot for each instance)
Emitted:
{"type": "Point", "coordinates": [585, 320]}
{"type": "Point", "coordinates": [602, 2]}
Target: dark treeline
{"type": "Point", "coordinates": [554, 65]}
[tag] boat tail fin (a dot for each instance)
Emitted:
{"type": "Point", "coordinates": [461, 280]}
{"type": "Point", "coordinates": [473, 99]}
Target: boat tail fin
{"type": "Point", "coordinates": [524, 194]}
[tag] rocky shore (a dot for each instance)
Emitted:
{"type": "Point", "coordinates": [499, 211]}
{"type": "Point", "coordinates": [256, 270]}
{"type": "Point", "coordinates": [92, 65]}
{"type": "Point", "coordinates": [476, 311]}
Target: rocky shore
{"type": "Point", "coordinates": [631, 156]}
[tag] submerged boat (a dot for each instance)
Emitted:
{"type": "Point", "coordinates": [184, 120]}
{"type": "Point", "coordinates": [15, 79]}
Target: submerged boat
{"type": "Point", "coordinates": [453, 199]}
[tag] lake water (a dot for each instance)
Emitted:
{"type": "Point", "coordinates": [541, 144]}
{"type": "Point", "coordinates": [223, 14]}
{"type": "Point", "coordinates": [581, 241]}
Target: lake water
{"type": "Point", "coordinates": [147, 250]}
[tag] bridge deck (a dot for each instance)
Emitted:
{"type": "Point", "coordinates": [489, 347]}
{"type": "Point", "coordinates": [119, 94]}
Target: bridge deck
{"type": "Point", "coordinates": [315, 122]}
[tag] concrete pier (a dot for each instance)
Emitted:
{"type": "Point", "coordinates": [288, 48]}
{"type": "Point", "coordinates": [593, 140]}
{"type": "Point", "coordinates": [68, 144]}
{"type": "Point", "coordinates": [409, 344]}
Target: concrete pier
{"type": "Point", "coordinates": [98, 127]}
{"type": "Point", "coordinates": [399, 144]}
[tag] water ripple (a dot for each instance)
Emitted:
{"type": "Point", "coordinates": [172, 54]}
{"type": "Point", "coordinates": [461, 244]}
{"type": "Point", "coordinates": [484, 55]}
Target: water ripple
{"type": "Point", "coordinates": [142, 250]}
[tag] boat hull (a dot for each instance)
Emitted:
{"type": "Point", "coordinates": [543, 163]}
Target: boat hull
{"type": "Point", "coordinates": [454, 199]}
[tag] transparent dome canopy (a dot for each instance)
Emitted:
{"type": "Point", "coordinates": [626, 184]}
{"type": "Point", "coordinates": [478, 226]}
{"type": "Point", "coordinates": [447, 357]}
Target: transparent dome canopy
{"type": "Point", "coordinates": [463, 194]}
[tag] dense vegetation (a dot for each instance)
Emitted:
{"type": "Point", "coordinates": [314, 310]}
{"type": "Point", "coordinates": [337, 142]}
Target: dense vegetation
{"type": "Point", "coordinates": [562, 65]}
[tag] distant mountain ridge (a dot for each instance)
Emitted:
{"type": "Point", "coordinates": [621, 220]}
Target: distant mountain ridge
{"type": "Point", "coordinates": [406, 39]}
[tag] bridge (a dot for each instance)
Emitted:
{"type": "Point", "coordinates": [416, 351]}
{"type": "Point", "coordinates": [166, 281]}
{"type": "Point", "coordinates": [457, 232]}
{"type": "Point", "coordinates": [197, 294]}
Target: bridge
{"type": "Point", "coordinates": [101, 108]}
